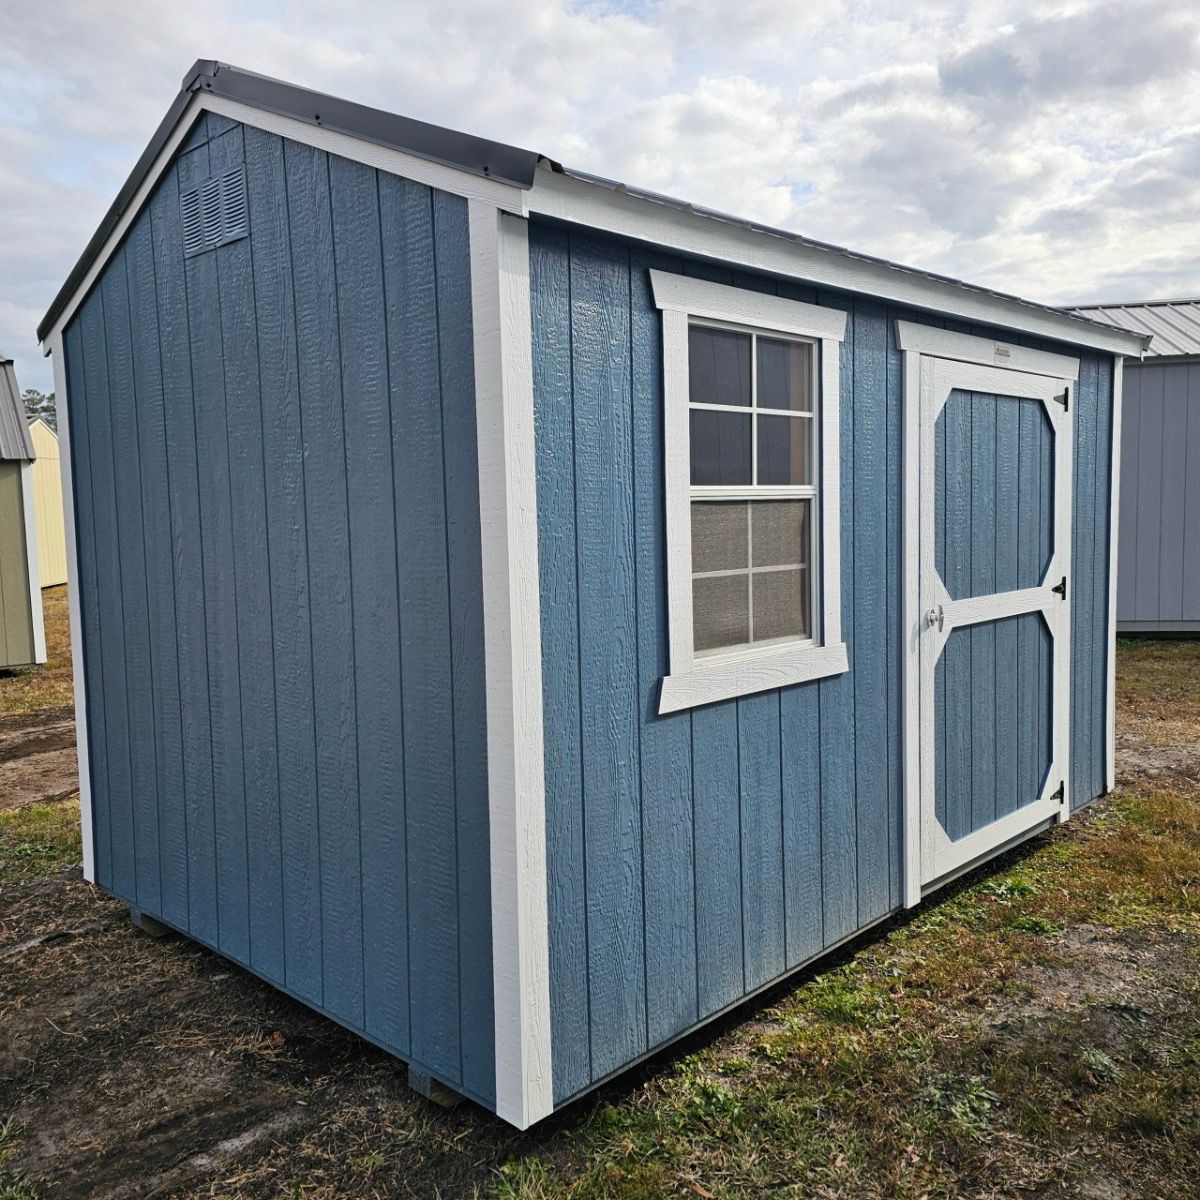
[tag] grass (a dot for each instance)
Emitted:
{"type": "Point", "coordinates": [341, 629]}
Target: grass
{"type": "Point", "coordinates": [1157, 684]}
{"type": "Point", "coordinates": [38, 839]}
{"type": "Point", "coordinates": [31, 689]}
{"type": "Point", "coordinates": [13, 1185]}
{"type": "Point", "coordinates": [1034, 1030]}
{"type": "Point", "coordinates": [939, 1058]}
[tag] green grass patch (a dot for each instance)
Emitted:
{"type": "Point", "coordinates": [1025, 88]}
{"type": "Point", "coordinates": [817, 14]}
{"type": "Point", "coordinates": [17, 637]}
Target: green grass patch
{"type": "Point", "coordinates": [13, 1184]}
{"type": "Point", "coordinates": [37, 839]}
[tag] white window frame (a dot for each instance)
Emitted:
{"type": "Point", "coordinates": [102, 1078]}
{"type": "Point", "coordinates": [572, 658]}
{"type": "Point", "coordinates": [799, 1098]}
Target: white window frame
{"type": "Point", "coordinates": [705, 678]}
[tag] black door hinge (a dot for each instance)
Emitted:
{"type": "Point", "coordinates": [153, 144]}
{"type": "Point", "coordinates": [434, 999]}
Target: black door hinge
{"type": "Point", "coordinates": [1061, 793]}
{"type": "Point", "coordinates": [1064, 399]}
{"type": "Point", "coordinates": [1061, 587]}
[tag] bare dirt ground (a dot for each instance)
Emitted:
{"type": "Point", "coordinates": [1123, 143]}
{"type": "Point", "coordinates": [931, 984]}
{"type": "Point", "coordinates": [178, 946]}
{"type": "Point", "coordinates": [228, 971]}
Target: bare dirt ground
{"type": "Point", "coordinates": [1034, 1032]}
{"type": "Point", "coordinates": [37, 756]}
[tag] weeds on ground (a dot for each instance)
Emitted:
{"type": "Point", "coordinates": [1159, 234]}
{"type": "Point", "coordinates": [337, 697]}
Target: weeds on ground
{"type": "Point", "coordinates": [13, 1185]}
{"type": "Point", "coordinates": [37, 839]}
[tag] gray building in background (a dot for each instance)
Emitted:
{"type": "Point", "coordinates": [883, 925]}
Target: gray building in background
{"type": "Point", "coordinates": [1158, 560]}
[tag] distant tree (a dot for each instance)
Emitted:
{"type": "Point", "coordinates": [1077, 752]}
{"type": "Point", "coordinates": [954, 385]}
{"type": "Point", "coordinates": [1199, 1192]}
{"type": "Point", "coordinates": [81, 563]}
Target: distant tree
{"type": "Point", "coordinates": [40, 404]}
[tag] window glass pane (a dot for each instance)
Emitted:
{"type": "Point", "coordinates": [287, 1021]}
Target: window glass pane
{"type": "Point", "coordinates": [784, 374]}
{"type": "Point", "coordinates": [780, 533]}
{"type": "Point", "coordinates": [780, 604]}
{"type": "Point", "coordinates": [784, 449]}
{"type": "Point", "coordinates": [718, 366]}
{"type": "Point", "coordinates": [721, 611]}
{"type": "Point", "coordinates": [720, 536]}
{"type": "Point", "coordinates": [720, 447]}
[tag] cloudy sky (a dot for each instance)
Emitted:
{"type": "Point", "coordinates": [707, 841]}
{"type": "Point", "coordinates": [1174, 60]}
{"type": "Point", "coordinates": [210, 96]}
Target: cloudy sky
{"type": "Point", "coordinates": [1047, 149]}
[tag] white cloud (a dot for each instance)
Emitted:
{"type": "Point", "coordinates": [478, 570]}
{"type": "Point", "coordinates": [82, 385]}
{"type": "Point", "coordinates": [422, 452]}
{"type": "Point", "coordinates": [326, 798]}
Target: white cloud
{"type": "Point", "coordinates": [1052, 152]}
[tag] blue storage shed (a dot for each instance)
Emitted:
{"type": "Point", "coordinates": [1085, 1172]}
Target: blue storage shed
{"type": "Point", "coordinates": [521, 616]}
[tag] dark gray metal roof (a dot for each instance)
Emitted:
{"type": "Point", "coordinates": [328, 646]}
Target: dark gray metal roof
{"type": "Point", "coordinates": [15, 442]}
{"type": "Point", "coordinates": [1175, 324]}
{"type": "Point", "coordinates": [478, 155]}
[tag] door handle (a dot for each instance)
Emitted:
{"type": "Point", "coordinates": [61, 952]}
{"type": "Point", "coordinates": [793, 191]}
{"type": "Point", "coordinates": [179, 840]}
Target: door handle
{"type": "Point", "coordinates": [935, 618]}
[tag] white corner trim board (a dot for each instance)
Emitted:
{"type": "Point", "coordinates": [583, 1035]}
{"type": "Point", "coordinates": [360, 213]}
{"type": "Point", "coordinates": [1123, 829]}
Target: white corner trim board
{"type": "Point", "coordinates": [701, 680]}
{"type": "Point", "coordinates": [500, 311]}
{"type": "Point", "coordinates": [966, 347]}
{"type": "Point", "coordinates": [31, 564]}
{"type": "Point", "coordinates": [62, 403]}
{"type": "Point", "coordinates": [1114, 510]}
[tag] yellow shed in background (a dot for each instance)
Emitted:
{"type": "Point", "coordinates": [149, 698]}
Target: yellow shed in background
{"type": "Point", "coordinates": [48, 505]}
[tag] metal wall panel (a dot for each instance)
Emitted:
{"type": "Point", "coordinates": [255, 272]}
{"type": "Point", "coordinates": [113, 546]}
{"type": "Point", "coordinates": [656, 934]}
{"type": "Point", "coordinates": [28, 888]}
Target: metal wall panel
{"type": "Point", "coordinates": [1158, 556]}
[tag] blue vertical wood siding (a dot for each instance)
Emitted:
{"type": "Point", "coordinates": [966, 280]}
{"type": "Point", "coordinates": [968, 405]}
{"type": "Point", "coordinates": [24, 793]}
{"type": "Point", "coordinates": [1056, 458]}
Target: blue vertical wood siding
{"type": "Point", "coordinates": [695, 857]}
{"type": "Point", "coordinates": [280, 581]}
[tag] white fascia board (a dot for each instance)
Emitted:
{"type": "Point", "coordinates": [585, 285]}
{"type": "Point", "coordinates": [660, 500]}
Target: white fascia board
{"type": "Point", "coordinates": [31, 564]}
{"type": "Point", "coordinates": [500, 309]}
{"type": "Point", "coordinates": [500, 195]}
{"type": "Point", "coordinates": [62, 403]}
{"type": "Point", "coordinates": [569, 198]}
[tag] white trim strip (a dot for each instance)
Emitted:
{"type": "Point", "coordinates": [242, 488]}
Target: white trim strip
{"type": "Point", "coordinates": [740, 306]}
{"type": "Point", "coordinates": [1114, 512]}
{"type": "Point", "coordinates": [505, 196]}
{"type": "Point", "coordinates": [385, 158]}
{"type": "Point", "coordinates": [750, 672]}
{"type": "Point", "coordinates": [138, 201]}
{"type": "Point", "coordinates": [830, 566]}
{"type": "Point", "coordinates": [76, 618]}
{"type": "Point", "coordinates": [568, 198]}
{"type": "Point", "coordinates": [911, 516]}
{"type": "Point", "coordinates": [31, 560]}
{"type": "Point", "coordinates": [966, 347]}
{"type": "Point", "coordinates": [500, 310]}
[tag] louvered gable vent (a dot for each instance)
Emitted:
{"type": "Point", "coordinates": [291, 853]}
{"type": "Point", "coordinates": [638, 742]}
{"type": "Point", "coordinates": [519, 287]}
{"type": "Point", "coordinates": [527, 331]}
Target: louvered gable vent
{"type": "Point", "coordinates": [215, 212]}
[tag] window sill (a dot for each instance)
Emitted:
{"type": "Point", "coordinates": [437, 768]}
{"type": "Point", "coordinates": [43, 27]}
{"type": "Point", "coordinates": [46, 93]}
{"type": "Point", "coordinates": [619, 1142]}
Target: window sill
{"type": "Point", "coordinates": [745, 674]}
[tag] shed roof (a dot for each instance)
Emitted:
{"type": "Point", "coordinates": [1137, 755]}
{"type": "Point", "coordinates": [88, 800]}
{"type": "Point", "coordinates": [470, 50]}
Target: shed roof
{"type": "Point", "coordinates": [1175, 324]}
{"type": "Point", "coordinates": [492, 160]}
{"type": "Point", "coordinates": [15, 442]}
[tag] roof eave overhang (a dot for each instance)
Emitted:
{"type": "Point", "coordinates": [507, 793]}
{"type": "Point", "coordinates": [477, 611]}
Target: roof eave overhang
{"type": "Point", "coordinates": [597, 203]}
{"type": "Point", "coordinates": [547, 189]}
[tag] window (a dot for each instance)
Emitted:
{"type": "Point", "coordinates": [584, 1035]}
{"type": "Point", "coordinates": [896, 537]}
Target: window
{"type": "Point", "coordinates": [751, 400]}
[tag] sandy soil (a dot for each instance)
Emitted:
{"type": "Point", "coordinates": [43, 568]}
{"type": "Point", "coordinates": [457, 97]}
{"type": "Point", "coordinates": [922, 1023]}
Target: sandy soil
{"type": "Point", "coordinates": [37, 756]}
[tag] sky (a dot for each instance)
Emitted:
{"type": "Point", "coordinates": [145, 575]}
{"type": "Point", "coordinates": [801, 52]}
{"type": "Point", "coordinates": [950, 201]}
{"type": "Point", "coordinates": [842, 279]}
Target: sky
{"type": "Point", "coordinates": [1051, 150]}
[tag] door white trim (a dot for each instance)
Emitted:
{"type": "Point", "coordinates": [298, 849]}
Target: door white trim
{"type": "Point", "coordinates": [967, 347]}
{"type": "Point", "coordinates": [930, 856]}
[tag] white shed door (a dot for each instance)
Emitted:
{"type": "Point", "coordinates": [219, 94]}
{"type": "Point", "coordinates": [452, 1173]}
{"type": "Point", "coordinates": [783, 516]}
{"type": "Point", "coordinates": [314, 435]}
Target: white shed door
{"type": "Point", "coordinates": [992, 643]}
